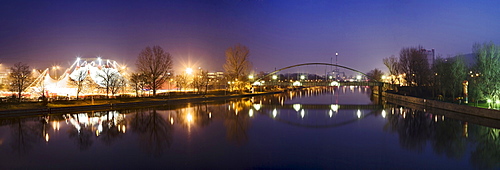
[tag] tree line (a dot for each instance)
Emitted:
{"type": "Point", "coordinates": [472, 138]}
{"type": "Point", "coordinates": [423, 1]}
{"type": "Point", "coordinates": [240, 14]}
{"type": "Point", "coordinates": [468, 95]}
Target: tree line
{"type": "Point", "coordinates": [446, 77]}
{"type": "Point", "coordinates": [154, 68]}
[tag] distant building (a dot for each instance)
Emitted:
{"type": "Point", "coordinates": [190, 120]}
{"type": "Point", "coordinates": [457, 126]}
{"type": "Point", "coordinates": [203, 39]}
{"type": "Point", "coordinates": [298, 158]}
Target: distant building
{"type": "Point", "coordinates": [4, 74]}
{"type": "Point", "coordinates": [215, 75]}
{"type": "Point", "coordinates": [219, 75]}
{"type": "Point", "coordinates": [431, 56]}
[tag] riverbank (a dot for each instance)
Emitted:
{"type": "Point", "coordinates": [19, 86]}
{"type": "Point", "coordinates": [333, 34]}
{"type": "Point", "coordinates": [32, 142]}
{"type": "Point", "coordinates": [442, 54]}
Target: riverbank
{"type": "Point", "coordinates": [430, 104]}
{"type": "Point", "coordinates": [25, 109]}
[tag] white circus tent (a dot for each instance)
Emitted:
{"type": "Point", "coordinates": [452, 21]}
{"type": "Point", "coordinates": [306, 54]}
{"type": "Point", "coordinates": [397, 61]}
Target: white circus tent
{"type": "Point", "coordinates": [93, 68]}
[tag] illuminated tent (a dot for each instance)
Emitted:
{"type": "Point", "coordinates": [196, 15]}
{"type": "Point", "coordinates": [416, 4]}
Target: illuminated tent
{"type": "Point", "coordinates": [93, 68]}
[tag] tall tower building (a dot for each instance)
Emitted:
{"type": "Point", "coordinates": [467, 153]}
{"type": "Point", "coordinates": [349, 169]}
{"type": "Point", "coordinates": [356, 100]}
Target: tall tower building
{"type": "Point", "coordinates": [431, 55]}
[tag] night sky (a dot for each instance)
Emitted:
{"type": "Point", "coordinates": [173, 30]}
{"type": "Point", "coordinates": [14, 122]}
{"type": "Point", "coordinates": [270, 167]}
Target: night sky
{"type": "Point", "coordinates": [278, 33]}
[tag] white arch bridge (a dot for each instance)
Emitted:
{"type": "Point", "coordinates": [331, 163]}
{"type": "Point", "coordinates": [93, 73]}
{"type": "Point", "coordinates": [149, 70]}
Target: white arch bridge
{"type": "Point", "coordinates": [260, 82]}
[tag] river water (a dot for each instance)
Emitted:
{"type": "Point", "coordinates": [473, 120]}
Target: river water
{"type": "Point", "coordinates": [324, 128]}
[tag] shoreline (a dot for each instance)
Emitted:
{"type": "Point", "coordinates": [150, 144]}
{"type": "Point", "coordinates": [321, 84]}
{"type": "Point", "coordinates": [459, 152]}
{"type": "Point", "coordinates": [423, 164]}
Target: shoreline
{"type": "Point", "coordinates": [125, 105]}
{"type": "Point", "coordinates": [433, 104]}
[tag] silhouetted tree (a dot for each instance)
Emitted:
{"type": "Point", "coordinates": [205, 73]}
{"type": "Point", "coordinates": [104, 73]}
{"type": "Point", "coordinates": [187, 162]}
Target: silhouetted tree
{"type": "Point", "coordinates": [200, 81]}
{"type": "Point", "coordinates": [237, 64]}
{"type": "Point", "coordinates": [156, 65]}
{"type": "Point", "coordinates": [181, 81]}
{"type": "Point", "coordinates": [111, 80]}
{"type": "Point", "coordinates": [414, 64]}
{"type": "Point", "coordinates": [20, 78]}
{"type": "Point", "coordinates": [138, 81]}
{"type": "Point", "coordinates": [78, 80]}
{"type": "Point", "coordinates": [392, 65]}
{"type": "Point", "coordinates": [375, 75]}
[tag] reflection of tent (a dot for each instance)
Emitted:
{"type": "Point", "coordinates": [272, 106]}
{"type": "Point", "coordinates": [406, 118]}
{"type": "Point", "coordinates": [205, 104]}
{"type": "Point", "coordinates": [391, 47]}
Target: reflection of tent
{"type": "Point", "coordinates": [63, 85]}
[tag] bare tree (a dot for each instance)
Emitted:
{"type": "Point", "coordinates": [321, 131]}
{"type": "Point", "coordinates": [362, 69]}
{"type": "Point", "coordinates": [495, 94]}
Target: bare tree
{"type": "Point", "coordinates": [116, 84]}
{"type": "Point", "coordinates": [20, 78]}
{"type": "Point", "coordinates": [375, 75]}
{"type": "Point", "coordinates": [138, 81]}
{"type": "Point", "coordinates": [181, 81]}
{"type": "Point", "coordinates": [155, 64]}
{"type": "Point", "coordinates": [111, 80]}
{"type": "Point", "coordinates": [392, 65]}
{"type": "Point", "coordinates": [414, 64]}
{"type": "Point", "coordinates": [237, 63]}
{"type": "Point", "coordinates": [200, 81]}
{"type": "Point", "coordinates": [442, 71]}
{"type": "Point", "coordinates": [78, 80]}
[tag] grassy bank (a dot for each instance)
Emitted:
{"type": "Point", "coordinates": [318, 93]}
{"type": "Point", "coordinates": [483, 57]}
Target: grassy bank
{"type": "Point", "coordinates": [89, 102]}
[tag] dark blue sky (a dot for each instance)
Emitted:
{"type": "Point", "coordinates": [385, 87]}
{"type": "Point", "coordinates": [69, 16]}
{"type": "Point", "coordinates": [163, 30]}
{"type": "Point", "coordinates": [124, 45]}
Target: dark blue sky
{"type": "Point", "coordinates": [278, 33]}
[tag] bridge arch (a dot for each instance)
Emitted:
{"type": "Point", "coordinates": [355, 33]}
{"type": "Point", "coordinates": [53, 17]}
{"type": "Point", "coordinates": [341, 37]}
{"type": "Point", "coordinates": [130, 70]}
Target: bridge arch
{"type": "Point", "coordinates": [306, 64]}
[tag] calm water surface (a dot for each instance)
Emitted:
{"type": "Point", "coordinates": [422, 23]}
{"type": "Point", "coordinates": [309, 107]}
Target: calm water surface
{"type": "Point", "coordinates": [343, 128]}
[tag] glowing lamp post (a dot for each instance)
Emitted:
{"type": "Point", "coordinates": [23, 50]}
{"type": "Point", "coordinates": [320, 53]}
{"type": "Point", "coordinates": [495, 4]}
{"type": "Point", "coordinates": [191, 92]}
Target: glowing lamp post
{"type": "Point", "coordinates": [55, 68]}
{"type": "Point", "coordinates": [189, 71]}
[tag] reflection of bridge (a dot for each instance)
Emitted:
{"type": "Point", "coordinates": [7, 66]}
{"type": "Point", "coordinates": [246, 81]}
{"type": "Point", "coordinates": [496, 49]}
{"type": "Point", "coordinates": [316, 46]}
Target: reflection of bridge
{"type": "Point", "coordinates": [323, 83]}
{"type": "Point", "coordinates": [333, 107]}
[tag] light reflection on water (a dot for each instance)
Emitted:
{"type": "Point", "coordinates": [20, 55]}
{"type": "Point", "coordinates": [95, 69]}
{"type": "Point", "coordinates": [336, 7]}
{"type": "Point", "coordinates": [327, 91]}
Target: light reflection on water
{"type": "Point", "coordinates": [317, 128]}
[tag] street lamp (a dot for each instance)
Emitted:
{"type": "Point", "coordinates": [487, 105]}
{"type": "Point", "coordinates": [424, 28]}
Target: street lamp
{"type": "Point", "coordinates": [189, 70]}
{"type": "Point", "coordinates": [100, 61]}
{"type": "Point", "coordinates": [336, 64]}
{"type": "Point", "coordinates": [55, 68]}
